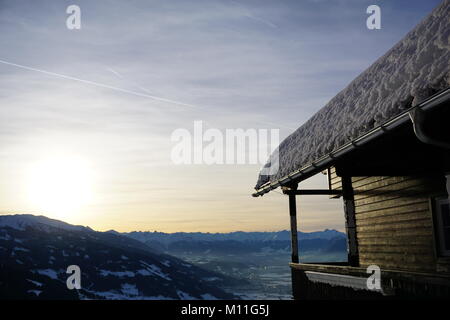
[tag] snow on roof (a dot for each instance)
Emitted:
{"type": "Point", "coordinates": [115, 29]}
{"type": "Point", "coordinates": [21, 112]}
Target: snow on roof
{"type": "Point", "coordinates": [413, 70]}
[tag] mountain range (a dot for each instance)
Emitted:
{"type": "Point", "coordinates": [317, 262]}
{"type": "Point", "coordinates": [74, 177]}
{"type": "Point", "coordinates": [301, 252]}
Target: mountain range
{"type": "Point", "coordinates": [35, 252]}
{"type": "Point", "coordinates": [240, 242]}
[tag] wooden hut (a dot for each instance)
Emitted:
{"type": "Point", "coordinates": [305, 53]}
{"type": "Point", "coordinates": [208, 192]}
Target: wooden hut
{"type": "Point", "coordinates": [384, 142]}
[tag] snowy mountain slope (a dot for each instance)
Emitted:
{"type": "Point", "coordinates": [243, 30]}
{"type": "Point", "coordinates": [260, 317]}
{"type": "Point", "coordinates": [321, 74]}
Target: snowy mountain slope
{"type": "Point", "coordinates": [36, 251]}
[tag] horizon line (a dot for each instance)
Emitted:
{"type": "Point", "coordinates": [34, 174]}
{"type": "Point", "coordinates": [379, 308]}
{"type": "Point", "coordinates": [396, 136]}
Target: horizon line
{"type": "Point", "coordinates": [156, 231]}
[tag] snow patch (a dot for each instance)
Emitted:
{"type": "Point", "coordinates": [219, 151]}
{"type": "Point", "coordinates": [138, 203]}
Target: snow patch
{"type": "Point", "coordinates": [212, 279]}
{"type": "Point", "coordinates": [129, 289]}
{"type": "Point", "coordinates": [48, 272]}
{"type": "Point", "coordinates": [114, 295]}
{"type": "Point", "coordinates": [185, 296]}
{"type": "Point", "coordinates": [152, 269]}
{"type": "Point", "coordinates": [36, 292]}
{"type": "Point", "coordinates": [208, 296]}
{"type": "Point", "coordinates": [36, 283]}
{"type": "Point", "coordinates": [166, 263]}
{"type": "Point", "coordinates": [119, 274]}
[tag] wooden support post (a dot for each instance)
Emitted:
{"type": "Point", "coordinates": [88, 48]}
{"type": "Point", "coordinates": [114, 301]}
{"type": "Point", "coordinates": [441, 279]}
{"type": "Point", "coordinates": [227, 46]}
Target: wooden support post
{"type": "Point", "coordinates": [448, 184]}
{"type": "Point", "coordinates": [294, 237]}
{"type": "Point", "coordinates": [350, 221]}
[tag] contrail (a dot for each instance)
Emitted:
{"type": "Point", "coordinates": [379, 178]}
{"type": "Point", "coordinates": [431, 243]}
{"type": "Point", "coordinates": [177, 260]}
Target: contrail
{"type": "Point", "coordinates": [98, 84]}
{"type": "Point", "coordinates": [114, 72]}
{"type": "Point", "coordinates": [132, 82]}
{"type": "Point", "coordinates": [249, 15]}
{"type": "Point", "coordinates": [266, 22]}
{"type": "Point", "coordinates": [139, 94]}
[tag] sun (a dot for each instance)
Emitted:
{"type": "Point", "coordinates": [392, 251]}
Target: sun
{"type": "Point", "coordinates": [60, 186]}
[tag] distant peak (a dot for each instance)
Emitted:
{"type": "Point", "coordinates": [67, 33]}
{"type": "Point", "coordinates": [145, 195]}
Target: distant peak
{"type": "Point", "coordinates": [22, 221]}
{"type": "Point", "coordinates": [112, 231]}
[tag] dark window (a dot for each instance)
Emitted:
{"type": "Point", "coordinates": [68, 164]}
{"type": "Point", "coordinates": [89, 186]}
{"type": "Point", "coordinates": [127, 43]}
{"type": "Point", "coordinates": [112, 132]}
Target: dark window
{"type": "Point", "coordinates": [442, 209]}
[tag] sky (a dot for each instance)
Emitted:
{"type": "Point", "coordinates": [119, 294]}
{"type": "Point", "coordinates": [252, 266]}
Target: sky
{"type": "Point", "coordinates": [87, 115]}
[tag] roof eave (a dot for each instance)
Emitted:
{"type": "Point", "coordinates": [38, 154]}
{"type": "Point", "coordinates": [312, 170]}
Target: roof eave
{"type": "Point", "coordinates": [327, 160]}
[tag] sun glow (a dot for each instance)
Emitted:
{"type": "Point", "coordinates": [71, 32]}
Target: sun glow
{"type": "Point", "coordinates": [60, 186]}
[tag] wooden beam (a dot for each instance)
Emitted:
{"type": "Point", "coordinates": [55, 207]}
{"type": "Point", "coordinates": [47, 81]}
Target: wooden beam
{"type": "Point", "coordinates": [329, 178]}
{"type": "Point", "coordinates": [294, 236]}
{"type": "Point", "coordinates": [350, 221]}
{"type": "Point", "coordinates": [312, 192]}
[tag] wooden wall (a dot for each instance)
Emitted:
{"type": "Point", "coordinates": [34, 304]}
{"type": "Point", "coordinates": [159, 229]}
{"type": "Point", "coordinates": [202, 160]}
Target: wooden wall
{"type": "Point", "coordinates": [394, 221]}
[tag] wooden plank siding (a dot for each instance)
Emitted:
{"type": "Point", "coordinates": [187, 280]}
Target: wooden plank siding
{"type": "Point", "coordinates": [394, 222]}
{"type": "Point", "coordinates": [334, 181]}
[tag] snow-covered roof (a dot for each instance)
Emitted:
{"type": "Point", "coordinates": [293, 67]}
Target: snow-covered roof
{"type": "Point", "coordinates": [410, 72]}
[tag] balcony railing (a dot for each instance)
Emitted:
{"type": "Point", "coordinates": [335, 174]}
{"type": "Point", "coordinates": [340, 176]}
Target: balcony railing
{"type": "Point", "coordinates": [340, 281]}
